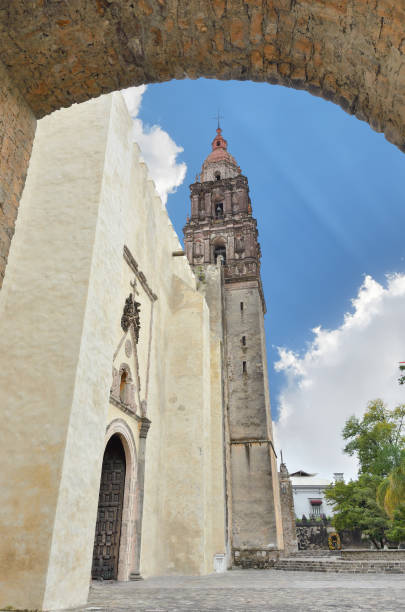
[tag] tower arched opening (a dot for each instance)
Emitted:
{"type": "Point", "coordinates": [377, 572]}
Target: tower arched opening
{"type": "Point", "coordinates": [220, 251]}
{"type": "Point", "coordinates": [219, 210]}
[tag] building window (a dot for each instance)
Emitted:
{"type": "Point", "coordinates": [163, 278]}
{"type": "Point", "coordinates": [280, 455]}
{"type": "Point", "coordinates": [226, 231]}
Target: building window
{"type": "Point", "coordinates": [217, 176]}
{"type": "Point", "coordinates": [244, 340]}
{"type": "Point", "coordinates": [241, 306]}
{"type": "Point", "coordinates": [244, 370]}
{"type": "Point", "coordinates": [316, 506]}
{"type": "Point", "coordinates": [218, 143]}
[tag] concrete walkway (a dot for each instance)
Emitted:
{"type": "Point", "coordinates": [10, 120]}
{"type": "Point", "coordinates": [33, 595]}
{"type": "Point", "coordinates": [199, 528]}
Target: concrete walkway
{"type": "Point", "coordinates": [251, 590]}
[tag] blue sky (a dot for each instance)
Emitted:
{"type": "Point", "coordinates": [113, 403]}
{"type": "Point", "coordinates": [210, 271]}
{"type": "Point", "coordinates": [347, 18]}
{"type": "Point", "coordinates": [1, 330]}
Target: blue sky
{"type": "Point", "coordinates": [326, 190]}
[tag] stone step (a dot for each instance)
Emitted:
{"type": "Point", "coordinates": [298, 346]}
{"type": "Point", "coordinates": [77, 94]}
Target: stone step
{"type": "Point", "coordinates": [322, 564]}
{"type": "Point", "coordinates": [315, 553]}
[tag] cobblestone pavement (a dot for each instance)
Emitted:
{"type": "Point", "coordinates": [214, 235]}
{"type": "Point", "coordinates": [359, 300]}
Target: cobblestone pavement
{"type": "Point", "coordinates": [251, 590]}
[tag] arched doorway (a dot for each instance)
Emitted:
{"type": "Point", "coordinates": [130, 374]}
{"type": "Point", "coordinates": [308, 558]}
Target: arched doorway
{"type": "Point", "coordinates": [109, 513]}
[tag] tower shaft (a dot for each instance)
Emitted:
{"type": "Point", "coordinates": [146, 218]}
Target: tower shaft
{"type": "Point", "coordinates": [221, 242]}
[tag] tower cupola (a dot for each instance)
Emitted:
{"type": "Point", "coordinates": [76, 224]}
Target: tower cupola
{"type": "Point", "coordinates": [219, 164]}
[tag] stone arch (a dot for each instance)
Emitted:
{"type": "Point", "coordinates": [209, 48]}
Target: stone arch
{"type": "Point", "coordinates": [128, 534]}
{"type": "Point", "coordinates": [348, 52]}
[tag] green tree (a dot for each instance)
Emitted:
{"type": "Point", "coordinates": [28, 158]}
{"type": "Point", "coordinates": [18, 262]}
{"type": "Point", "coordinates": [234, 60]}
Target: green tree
{"type": "Point", "coordinates": [371, 502]}
{"type": "Point", "coordinates": [396, 533]}
{"type": "Point", "coordinates": [391, 491]}
{"type": "Point", "coordinates": [355, 507]}
{"type": "Point", "coordinates": [401, 379]}
{"type": "Point", "coordinates": [377, 440]}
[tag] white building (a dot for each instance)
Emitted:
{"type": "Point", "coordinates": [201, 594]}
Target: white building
{"type": "Point", "coordinates": [309, 494]}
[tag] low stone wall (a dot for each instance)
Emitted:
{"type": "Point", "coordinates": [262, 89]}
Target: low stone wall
{"type": "Point", "coordinates": [313, 535]}
{"type": "Point", "coordinates": [375, 555]}
{"type": "Point", "coordinates": [254, 558]}
{"type": "Point", "coordinates": [338, 565]}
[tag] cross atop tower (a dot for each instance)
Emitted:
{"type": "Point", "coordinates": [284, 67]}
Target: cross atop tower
{"type": "Point", "coordinates": [218, 117]}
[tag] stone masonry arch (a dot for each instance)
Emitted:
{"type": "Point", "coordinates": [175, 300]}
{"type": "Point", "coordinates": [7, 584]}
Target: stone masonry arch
{"type": "Point", "coordinates": [54, 54]}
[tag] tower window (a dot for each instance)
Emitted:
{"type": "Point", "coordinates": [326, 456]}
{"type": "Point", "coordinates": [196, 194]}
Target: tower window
{"type": "Point", "coordinates": [218, 143]}
{"type": "Point", "coordinates": [244, 340]}
{"type": "Point", "coordinates": [241, 306]}
{"type": "Point", "coordinates": [217, 176]}
{"type": "Point", "coordinates": [220, 250]}
{"type": "Point", "coordinates": [219, 210]}
{"type": "Point", "coordinates": [244, 367]}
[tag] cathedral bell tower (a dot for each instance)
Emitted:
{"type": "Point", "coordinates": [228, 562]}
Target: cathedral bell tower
{"type": "Point", "coordinates": [221, 243]}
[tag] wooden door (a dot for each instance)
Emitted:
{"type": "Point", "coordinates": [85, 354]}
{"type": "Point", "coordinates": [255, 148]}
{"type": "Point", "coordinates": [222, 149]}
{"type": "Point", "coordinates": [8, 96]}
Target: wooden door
{"type": "Point", "coordinates": [109, 515]}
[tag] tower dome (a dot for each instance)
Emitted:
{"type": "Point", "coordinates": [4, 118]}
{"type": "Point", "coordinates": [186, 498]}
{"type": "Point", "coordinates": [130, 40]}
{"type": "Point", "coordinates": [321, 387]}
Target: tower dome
{"type": "Point", "coordinates": [219, 164]}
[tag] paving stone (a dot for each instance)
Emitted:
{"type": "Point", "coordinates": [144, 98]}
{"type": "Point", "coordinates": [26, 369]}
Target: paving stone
{"type": "Point", "coordinates": [251, 590]}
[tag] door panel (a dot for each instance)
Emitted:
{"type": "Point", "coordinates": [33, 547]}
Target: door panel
{"type": "Point", "coordinates": [109, 515]}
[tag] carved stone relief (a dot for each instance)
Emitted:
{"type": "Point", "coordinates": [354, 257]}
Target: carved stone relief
{"type": "Point", "coordinates": [126, 384]}
{"type": "Point", "coordinates": [128, 348]}
{"type": "Point", "coordinates": [131, 316]}
{"type": "Point", "coordinates": [115, 387]}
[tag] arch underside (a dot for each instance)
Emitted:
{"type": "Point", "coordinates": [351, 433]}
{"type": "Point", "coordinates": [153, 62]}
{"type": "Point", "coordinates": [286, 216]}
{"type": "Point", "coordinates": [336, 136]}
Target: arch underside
{"type": "Point", "coordinates": [347, 51]}
{"type": "Point", "coordinates": [53, 54]}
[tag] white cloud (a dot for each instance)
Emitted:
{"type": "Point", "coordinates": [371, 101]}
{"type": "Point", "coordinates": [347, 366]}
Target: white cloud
{"type": "Point", "coordinates": [340, 372]}
{"type": "Point", "coordinates": [133, 99]}
{"type": "Point", "coordinates": [158, 149]}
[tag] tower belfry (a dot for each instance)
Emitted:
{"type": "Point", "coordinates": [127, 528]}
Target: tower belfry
{"type": "Point", "coordinates": [221, 242]}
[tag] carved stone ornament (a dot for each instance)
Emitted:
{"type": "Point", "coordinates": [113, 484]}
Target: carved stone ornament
{"type": "Point", "coordinates": [128, 348]}
{"type": "Point", "coordinates": [130, 316]}
{"type": "Point", "coordinates": [115, 387]}
{"type": "Point", "coordinates": [239, 244]}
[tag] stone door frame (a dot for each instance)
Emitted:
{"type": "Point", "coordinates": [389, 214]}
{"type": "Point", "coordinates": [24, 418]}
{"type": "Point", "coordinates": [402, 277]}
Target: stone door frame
{"type": "Point", "coordinates": [126, 553]}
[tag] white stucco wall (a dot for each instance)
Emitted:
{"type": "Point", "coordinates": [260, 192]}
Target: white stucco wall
{"type": "Point", "coordinates": [305, 489]}
{"type": "Point", "coordinates": [87, 195]}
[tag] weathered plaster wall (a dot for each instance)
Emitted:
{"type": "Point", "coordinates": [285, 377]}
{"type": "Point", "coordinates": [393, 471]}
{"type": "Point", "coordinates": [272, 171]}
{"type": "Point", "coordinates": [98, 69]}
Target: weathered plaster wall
{"type": "Point", "coordinates": [185, 474]}
{"type": "Point", "coordinates": [61, 307]}
{"type": "Point", "coordinates": [211, 285]}
{"type": "Point", "coordinates": [46, 302]}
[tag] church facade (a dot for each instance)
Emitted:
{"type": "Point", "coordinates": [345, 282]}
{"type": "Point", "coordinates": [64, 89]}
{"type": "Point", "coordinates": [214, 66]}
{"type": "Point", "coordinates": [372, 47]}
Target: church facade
{"type": "Point", "coordinates": [136, 433]}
